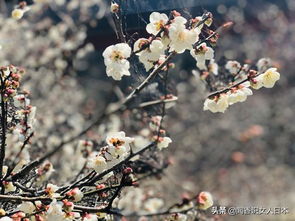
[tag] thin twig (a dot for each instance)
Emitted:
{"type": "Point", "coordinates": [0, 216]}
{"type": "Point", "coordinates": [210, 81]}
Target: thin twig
{"type": "Point", "coordinates": [160, 101]}
{"type": "Point", "coordinates": [3, 127]}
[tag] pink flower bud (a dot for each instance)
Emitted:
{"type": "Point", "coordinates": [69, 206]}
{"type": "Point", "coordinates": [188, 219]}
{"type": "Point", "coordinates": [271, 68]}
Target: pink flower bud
{"type": "Point", "coordinates": [127, 171]}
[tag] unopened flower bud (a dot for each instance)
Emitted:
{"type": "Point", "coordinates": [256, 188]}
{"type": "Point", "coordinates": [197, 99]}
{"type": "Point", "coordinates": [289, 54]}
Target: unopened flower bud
{"type": "Point", "coordinates": [39, 218]}
{"type": "Point", "coordinates": [100, 186]}
{"type": "Point", "coordinates": [68, 206]}
{"type": "Point", "coordinates": [252, 73]}
{"type": "Point", "coordinates": [204, 200]}
{"type": "Point", "coordinates": [175, 13]}
{"type": "Point", "coordinates": [114, 7]}
{"type": "Point", "coordinates": [135, 184]}
{"type": "Point", "coordinates": [171, 65]}
{"type": "Point", "coordinates": [127, 171]}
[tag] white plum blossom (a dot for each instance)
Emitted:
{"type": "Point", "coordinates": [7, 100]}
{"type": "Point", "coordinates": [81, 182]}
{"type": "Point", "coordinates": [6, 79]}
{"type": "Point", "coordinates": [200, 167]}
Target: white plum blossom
{"type": "Point", "coordinates": [118, 71]}
{"type": "Point", "coordinates": [51, 190]}
{"type": "Point", "coordinates": [204, 200]}
{"type": "Point", "coordinates": [6, 218]}
{"type": "Point", "coordinates": [181, 38]}
{"type": "Point", "coordinates": [213, 67]}
{"type": "Point", "coordinates": [115, 59]}
{"type": "Point", "coordinates": [44, 172]}
{"type": "Point", "coordinates": [119, 151]}
{"type": "Point", "coordinates": [27, 207]}
{"type": "Point", "coordinates": [267, 79]}
{"type": "Point", "coordinates": [155, 122]}
{"type": "Point", "coordinates": [21, 101]}
{"type": "Point", "coordinates": [9, 187]}
{"type": "Point", "coordinates": [17, 13]}
{"type": "Point", "coordinates": [270, 77]}
{"type": "Point", "coordinates": [76, 194]}
{"type": "Point", "coordinates": [239, 95]}
{"type": "Point", "coordinates": [68, 206]}
{"type": "Point", "coordinates": [90, 217]}
{"type": "Point", "coordinates": [151, 54]}
{"type": "Point", "coordinates": [31, 119]}
{"type": "Point", "coordinates": [119, 144]}
{"type": "Point", "coordinates": [217, 104]}
{"type": "Point", "coordinates": [98, 163]}
{"type": "Point", "coordinates": [156, 48]}
{"type": "Point", "coordinates": [201, 54]}
{"type": "Point", "coordinates": [256, 83]}
{"type": "Point", "coordinates": [153, 205]}
{"type": "Point", "coordinates": [233, 67]}
{"type": "Point", "coordinates": [157, 22]}
{"type": "Point", "coordinates": [54, 211]}
{"type": "Point", "coordinates": [163, 142]}
{"type": "Point", "coordinates": [114, 7]}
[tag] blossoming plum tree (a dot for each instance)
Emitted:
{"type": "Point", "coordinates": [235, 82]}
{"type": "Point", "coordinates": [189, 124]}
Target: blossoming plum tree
{"type": "Point", "coordinates": [113, 162]}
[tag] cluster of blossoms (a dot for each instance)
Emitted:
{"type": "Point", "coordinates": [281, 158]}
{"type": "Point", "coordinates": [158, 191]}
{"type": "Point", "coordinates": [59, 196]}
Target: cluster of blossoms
{"type": "Point", "coordinates": [168, 35]}
{"type": "Point", "coordinates": [177, 35]}
{"type": "Point", "coordinates": [202, 54]}
{"type": "Point", "coordinates": [220, 101]}
{"type": "Point", "coordinates": [18, 114]}
{"type": "Point", "coordinates": [10, 82]}
{"type": "Point", "coordinates": [137, 200]}
{"type": "Point", "coordinates": [117, 149]}
{"type": "Point", "coordinates": [20, 10]}
{"type": "Point", "coordinates": [118, 145]}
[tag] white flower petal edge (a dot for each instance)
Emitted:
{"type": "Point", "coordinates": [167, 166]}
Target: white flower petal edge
{"type": "Point", "coordinates": [157, 21]}
{"type": "Point", "coordinates": [163, 142]}
{"type": "Point", "coordinates": [215, 105]}
{"type": "Point", "coordinates": [201, 54]}
{"type": "Point", "coordinates": [181, 38]}
{"type": "Point", "coordinates": [115, 59]}
{"type": "Point", "coordinates": [151, 54]}
{"type": "Point", "coordinates": [267, 79]}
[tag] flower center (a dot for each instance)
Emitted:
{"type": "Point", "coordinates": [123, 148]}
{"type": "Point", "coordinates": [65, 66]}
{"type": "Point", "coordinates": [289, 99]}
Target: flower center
{"type": "Point", "coordinates": [182, 36]}
{"type": "Point", "coordinates": [116, 142]}
{"type": "Point", "coordinates": [159, 25]}
{"type": "Point", "coordinates": [99, 162]}
{"type": "Point", "coordinates": [201, 50]}
{"type": "Point", "coordinates": [117, 55]}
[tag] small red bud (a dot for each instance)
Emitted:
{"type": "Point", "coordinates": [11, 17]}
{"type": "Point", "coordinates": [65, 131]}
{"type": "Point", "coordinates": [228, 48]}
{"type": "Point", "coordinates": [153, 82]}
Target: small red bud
{"type": "Point", "coordinates": [227, 24]}
{"type": "Point", "coordinates": [100, 186]}
{"type": "Point", "coordinates": [135, 184]}
{"type": "Point", "coordinates": [175, 13]}
{"type": "Point", "coordinates": [127, 171]}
